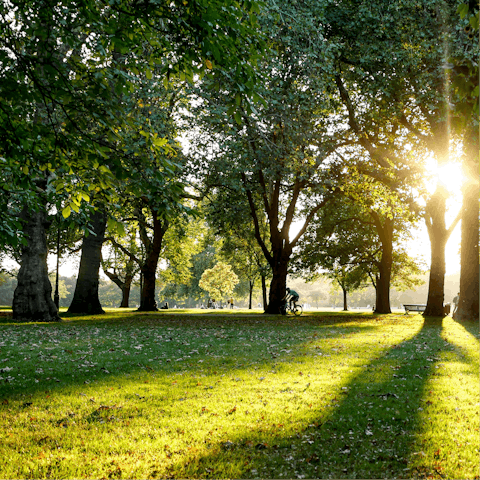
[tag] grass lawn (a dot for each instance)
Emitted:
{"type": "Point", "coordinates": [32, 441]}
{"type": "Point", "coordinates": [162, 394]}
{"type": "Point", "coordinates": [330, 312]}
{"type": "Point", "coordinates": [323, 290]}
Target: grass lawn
{"type": "Point", "coordinates": [232, 395]}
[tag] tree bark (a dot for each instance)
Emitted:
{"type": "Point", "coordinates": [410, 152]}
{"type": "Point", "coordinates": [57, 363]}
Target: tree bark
{"type": "Point", "coordinates": [345, 304]}
{"type": "Point", "coordinates": [468, 307]}
{"type": "Point", "coordinates": [278, 285]}
{"type": "Point", "coordinates": [264, 292]}
{"type": "Point", "coordinates": [32, 300]}
{"type": "Point", "coordinates": [251, 284]}
{"type": "Point", "coordinates": [126, 289]}
{"type": "Point", "coordinates": [153, 247]}
{"type": "Point", "coordinates": [438, 234]}
{"type": "Point", "coordinates": [123, 285]}
{"type": "Point", "coordinates": [382, 287]}
{"type": "Point", "coordinates": [85, 299]}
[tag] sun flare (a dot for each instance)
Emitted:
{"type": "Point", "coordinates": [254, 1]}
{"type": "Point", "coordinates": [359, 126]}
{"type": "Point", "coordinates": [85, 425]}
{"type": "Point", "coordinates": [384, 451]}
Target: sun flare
{"type": "Point", "coordinates": [449, 175]}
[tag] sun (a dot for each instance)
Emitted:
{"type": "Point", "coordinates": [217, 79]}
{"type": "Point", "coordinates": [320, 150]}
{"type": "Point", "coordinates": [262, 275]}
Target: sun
{"type": "Point", "coordinates": [448, 175]}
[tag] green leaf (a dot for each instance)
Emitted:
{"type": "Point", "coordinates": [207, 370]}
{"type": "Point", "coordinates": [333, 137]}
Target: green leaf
{"type": "Point", "coordinates": [238, 117]}
{"type": "Point", "coordinates": [66, 211]}
{"type": "Point", "coordinates": [462, 10]}
{"type": "Point", "coordinates": [160, 142]}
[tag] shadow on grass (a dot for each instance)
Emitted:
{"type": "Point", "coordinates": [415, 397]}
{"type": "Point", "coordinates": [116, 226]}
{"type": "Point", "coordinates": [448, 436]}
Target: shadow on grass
{"type": "Point", "coordinates": [371, 433]}
{"type": "Point", "coordinates": [65, 346]}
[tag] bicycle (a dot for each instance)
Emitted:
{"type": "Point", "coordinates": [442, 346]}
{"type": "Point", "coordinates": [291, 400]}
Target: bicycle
{"type": "Point", "coordinates": [297, 309]}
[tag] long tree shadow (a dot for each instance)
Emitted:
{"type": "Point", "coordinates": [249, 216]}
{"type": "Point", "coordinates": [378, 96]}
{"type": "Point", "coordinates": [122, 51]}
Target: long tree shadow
{"type": "Point", "coordinates": [370, 433]}
{"type": "Point", "coordinates": [359, 434]}
{"type": "Point", "coordinates": [67, 348]}
{"type": "Point", "coordinates": [51, 349]}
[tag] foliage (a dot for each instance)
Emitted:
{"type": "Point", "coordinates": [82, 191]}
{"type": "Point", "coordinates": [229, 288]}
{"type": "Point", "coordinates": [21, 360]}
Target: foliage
{"type": "Point", "coordinates": [67, 67]}
{"type": "Point", "coordinates": [219, 281]}
{"type": "Point", "coordinates": [182, 242]}
{"type": "Point", "coordinates": [275, 160]}
{"type": "Point", "coordinates": [200, 239]}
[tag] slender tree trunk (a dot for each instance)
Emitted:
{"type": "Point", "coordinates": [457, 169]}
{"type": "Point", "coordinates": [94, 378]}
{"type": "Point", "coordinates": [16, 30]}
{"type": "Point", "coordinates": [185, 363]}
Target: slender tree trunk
{"type": "Point", "coordinates": [148, 303]}
{"type": "Point", "coordinates": [264, 292]}
{"type": "Point", "coordinates": [468, 307]}
{"type": "Point", "coordinates": [438, 235]}
{"type": "Point", "coordinates": [123, 285]}
{"type": "Point", "coordinates": [85, 298]}
{"type": "Point", "coordinates": [251, 284]}
{"type": "Point", "coordinates": [32, 299]}
{"type": "Point", "coordinates": [345, 304]}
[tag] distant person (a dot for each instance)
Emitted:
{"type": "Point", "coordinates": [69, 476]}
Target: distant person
{"type": "Point", "coordinates": [455, 303]}
{"type": "Point", "coordinates": [231, 302]}
{"type": "Point", "coordinates": [292, 297]}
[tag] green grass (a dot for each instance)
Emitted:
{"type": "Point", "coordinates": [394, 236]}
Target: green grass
{"type": "Point", "coordinates": [238, 395]}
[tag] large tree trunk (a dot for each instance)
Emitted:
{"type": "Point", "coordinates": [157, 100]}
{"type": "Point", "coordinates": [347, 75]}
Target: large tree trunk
{"type": "Point", "coordinates": [278, 286]}
{"type": "Point", "coordinates": [468, 308]}
{"type": "Point", "coordinates": [382, 288]}
{"type": "Point", "coordinates": [32, 300]}
{"type": "Point", "coordinates": [438, 234]}
{"type": "Point", "coordinates": [153, 247]}
{"type": "Point", "coordinates": [85, 298]}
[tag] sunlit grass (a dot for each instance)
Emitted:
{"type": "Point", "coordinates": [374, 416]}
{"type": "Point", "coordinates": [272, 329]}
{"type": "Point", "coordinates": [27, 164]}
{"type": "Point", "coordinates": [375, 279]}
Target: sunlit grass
{"type": "Point", "coordinates": [174, 395]}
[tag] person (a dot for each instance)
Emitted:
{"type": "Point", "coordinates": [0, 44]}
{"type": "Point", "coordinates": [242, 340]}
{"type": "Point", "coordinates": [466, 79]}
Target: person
{"type": "Point", "coordinates": [292, 296]}
{"type": "Point", "coordinates": [231, 302]}
{"type": "Point", "coordinates": [455, 303]}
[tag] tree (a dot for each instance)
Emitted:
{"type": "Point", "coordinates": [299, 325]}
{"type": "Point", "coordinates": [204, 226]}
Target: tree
{"type": "Point", "coordinates": [219, 281]}
{"type": "Point", "coordinates": [32, 299]}
{"type": "Point", "coordinates": [349, 278]}
{"type": "Point", "coordinates": [119, 267]}
{"type": "Point", "coordinates": [65, 69]}
{"type": "Point", "coordinates": [276, 157]}
{"type": "Point", "coordinates": [85, 298]}
{"type": "Point", "coordinates": [468, 308]}
{"type": "Point", "coordinates": [360, 232]}
{"type": "Point", "coordinates": [406, 87]}
{"type": "Point", "coordinates": [232, 221]}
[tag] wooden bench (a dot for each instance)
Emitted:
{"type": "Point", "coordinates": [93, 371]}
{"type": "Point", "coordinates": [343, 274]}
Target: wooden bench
{"type": "Point", "coordinates": [414, 308]}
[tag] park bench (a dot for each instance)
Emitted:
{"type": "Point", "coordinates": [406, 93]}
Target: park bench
{"type": "Point", "coordinates": [414, 308]}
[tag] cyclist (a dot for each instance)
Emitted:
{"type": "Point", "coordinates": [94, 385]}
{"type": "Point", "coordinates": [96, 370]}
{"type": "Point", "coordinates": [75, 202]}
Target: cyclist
{"type": "Point", "coordinates": [292, 296]}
